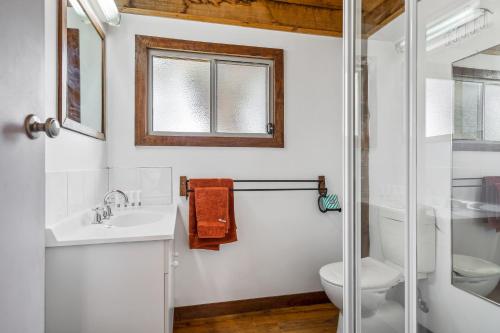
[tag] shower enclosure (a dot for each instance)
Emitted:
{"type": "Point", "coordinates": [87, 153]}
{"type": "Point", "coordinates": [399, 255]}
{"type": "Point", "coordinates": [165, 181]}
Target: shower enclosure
{"type": "Point", "coordinates": [421, 166]}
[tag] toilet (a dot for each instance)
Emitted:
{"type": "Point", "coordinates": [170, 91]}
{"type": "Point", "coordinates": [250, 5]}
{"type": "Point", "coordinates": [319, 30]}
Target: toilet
{"type": "Point", "coordinates": [378, 276]}
{"type": "Point", "coordinates": [476, 275]}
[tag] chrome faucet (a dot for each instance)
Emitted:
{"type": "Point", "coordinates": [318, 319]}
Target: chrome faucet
{"type": "Point", "coordinates": [107, 207]}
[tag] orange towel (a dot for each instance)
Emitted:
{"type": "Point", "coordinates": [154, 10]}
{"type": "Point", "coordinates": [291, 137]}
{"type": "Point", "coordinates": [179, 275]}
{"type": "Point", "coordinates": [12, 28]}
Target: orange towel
{"type": "Point", "coordinates": [197, 242]}
{"type": "Point", "coordinates": [212, 211]}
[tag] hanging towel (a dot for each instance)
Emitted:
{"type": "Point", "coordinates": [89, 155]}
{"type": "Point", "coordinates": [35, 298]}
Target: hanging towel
{"type": "Point", "coordinates": [212, 211]}
{"type": "Point", "coordinates": [491, 195]}
{"type": "Point", "coordinates": [197, 242]}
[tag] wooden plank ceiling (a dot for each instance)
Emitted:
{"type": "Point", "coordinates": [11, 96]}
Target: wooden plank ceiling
{"type": "Point", "coordinates": [320, 17]}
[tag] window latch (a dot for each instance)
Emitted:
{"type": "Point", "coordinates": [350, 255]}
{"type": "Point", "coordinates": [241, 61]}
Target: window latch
{"type": "Point", "coordinates": [270, 128]}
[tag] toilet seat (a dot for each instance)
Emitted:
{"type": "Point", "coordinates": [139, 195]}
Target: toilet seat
{"type": "Point", "coordinates": [474, 267]}
{"type": "Point", "coordinates": [375, 275]}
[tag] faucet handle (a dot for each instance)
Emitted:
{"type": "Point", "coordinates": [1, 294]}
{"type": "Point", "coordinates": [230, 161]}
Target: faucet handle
{"type": "Point", "coordinates": [107, 211]}
{"type": "Point", "coordinates": [97, 215]}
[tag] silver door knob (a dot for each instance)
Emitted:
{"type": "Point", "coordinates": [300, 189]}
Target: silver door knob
{"type": "Point", "coordinates": [33, 127]}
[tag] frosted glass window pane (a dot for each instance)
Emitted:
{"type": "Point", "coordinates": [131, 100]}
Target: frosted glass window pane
{"type": "Point", "coordinates": [181, 95]}
{"type": "Point", "coordinates": [492, 112]}
{"type": "Point", "coordinates": [242, 104]}
{"type": "Point", "coordinates": [468, 110]}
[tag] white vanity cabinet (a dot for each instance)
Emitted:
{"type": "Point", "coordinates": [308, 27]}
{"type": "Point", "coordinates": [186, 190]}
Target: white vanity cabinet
{"type": "Point", "coordinates": [110, 288]}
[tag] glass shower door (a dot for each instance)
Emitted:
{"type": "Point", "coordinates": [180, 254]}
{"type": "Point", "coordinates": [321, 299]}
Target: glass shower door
{"type": "Point", "coordinates": [376, 200]}
{"type": "Point", "coordinates": [422, 175]}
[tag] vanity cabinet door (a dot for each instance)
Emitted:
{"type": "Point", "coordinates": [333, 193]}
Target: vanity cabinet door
{"type": "Point", "coordinates": [106, 288]}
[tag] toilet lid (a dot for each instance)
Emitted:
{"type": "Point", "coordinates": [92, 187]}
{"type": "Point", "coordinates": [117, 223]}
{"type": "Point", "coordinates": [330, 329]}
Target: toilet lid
{"type": "Point", "coordinates": [474, 267]}
{"type": "Point", "coordinates": [374, 274]}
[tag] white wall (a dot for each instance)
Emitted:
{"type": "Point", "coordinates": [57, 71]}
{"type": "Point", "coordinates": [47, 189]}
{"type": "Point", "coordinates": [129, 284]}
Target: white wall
{"type": "Point", "coordinates": [70, 150]}
{"type": "Point", "coordinates": [283, 238]}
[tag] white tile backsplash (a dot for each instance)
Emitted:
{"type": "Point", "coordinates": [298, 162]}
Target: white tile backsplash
{"type": "Point", "coordinates": [70, 192]}
{"type": "Point", "coordinates": [125, 179]}
{"type": "Point", "coordinates": [76, 192]}
{"type": "Point", "coordinates": [95, 186]}
{"type": "Point", "coordinates": [56, 194]}
{"type": "Point", "coordinates": [155, 183]}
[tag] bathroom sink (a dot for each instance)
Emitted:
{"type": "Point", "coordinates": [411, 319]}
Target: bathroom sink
{"type": "Point", "coordinates": [147, 223]}
{"type": "Point", "coordinates": [466, 210]}
{"type": "Point", "coordinates": [133, 219]}
{"type": "Point", "coordinates": [484, 207]}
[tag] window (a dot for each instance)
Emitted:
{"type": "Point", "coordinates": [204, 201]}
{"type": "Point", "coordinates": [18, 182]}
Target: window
{"type": "Point", "coordinates": [477, 106]}
{"type": "Point", "coordinates": [468, 110]}
{"type": "Point", "coordinates": [476, 109]}
{"type": "Point", "coordinates": [205, 94]}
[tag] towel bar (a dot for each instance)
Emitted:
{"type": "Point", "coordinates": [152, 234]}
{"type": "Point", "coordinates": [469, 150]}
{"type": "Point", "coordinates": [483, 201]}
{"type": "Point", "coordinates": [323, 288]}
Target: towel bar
{"type": "Point", "coordinates": [184, 189]}
{"type": "Point", "coordinates": [321, 188]}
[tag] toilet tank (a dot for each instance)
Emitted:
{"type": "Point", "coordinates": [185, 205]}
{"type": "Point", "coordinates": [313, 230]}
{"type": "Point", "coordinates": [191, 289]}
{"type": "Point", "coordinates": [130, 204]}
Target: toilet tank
{"type": "Point", "coordinates": [392, 224]}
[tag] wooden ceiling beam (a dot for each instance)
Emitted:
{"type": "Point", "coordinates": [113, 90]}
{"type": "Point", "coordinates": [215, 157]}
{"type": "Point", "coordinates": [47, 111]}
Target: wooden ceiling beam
{"type": "Point", "coordinates": [329, 4]}
{"type": "Point", "coordinates": [267, 14]}
{"type": "Point", "coordinates": [370, 5]}
{"type": "Point", "coordinates": [381, 15]}
{"type": "Point", "coordinates": [319, 17]}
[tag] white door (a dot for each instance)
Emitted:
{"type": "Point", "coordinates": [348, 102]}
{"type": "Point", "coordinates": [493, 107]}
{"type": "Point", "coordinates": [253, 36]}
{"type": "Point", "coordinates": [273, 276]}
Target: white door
{"type": "Point", "coordinates": [22, 168]}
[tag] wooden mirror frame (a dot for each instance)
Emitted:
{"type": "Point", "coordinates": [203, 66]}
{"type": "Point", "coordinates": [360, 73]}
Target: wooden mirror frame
{"type": "Point", "coordinates": [65, 121]}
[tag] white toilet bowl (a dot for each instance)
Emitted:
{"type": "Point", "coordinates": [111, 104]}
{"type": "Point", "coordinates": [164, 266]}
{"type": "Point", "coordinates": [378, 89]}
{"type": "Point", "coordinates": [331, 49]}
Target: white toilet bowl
{"type": "Point", "coordinates": [378, 314]}
{"type": "Point", "coordinates": [476, 275]}
{"type": "Point", "coordinates": [376, 279]}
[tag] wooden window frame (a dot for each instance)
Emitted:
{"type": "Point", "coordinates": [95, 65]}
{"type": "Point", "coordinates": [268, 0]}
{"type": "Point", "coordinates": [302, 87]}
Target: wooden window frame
{"type": "Point", "coordinates": [143, 44]}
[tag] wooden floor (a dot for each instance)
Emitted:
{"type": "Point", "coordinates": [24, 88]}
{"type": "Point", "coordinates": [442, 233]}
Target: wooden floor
{"type": "Point", "coordinates": [320, 318]}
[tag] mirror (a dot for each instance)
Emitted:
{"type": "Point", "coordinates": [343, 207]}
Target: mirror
{"type": "Point", "coordinates": [475, 203]}
{"type": "Point", "coordinates": [477, 102]}
{"type": "Point", "coordinates": [81, 69]}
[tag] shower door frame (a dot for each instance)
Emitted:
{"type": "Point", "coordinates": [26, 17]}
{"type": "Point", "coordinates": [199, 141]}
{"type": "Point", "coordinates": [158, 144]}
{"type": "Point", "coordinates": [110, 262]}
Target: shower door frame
{"type": "Point", "coordinates": [351, 186]}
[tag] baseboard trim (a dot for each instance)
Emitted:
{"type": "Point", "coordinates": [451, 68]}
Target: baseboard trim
{"type": "Point", "coordinates": [248, 305]}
